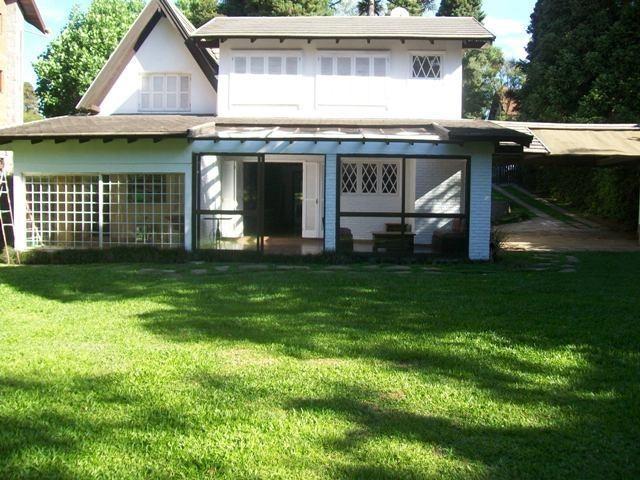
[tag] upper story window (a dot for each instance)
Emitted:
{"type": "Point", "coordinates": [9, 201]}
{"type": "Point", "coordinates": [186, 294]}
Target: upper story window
{"type": "Point", "coordinates": [347, 64]}
{"type": "Point", "coordinates": [427, 66]}
{"type": "Point", "coordinates": [269, 64]}
{"type": "Point", "coordinates": [165, 92]}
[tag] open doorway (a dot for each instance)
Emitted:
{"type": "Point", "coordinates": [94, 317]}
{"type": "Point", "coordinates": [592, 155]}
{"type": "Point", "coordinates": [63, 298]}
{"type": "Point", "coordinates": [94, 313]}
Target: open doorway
{"type": "Point", "coordinates": [282, 198]}
{"type": "Point", "coordinates": [272, 205]}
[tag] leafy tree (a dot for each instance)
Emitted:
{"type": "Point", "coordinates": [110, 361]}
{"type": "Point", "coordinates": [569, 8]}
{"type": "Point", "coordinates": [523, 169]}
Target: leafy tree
{"type": "Point", "coordinates": [198, 12]}
{"type": "Point", "coordinates": [71, 62]}
{"type": "Point", "coordinates": [506, 99]}
{"type": "Point", "coordinates": [414, 7]}
{"type": "Point", "coordinates": [275, 7]}
{"type": "Point", "coordinates": [31, 112]}
{"type": "Point", "coordinates": [461, 8]}
{"type": "Point", "coordinates": [481, 81]}
{"type": "Point", "coordinates": [583, 62]}
{"type": "Point", "coordinates": [480, 68]}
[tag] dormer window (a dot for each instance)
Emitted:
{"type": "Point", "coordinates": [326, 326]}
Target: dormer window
{"type": "Point", "coordinates": [427, 66]}
{"type": "Point", "coordinates": [165, 92]}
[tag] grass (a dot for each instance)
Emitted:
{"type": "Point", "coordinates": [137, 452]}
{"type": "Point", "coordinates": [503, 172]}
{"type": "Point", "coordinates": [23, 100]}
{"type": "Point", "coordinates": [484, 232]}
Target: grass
{"type": "Point", "coordinates": [543, 207]}
{"type": "Point", "coordinates": [517, 213]}
{"type": "Point", "coordinates": [480, 371]}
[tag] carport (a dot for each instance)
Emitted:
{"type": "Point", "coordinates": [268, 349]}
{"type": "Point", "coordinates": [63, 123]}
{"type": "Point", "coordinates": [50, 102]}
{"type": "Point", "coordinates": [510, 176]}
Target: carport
{"type": "Point", "coordinates": [588, 145]}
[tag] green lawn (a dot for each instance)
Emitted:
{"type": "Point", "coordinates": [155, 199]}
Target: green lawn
{"type": "Point", "coordinates": [517, 212]}
{"type": "Point", "coordinates": [543, 207]}
{"type": "Point", "coordinates": [481, 371]}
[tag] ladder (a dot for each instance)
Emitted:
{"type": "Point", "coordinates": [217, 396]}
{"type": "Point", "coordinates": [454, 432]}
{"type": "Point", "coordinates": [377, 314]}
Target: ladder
{"type": "Point", "coordinates": [6, 213]}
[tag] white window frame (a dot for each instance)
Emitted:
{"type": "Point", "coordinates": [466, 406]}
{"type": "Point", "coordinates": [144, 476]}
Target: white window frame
{"type": "Point", "coordinates": [352, 54]}
{"type": "Point", "coordinates": [379, 169]}
{"type": "Point", "coordinates": [165, 93]}
{"type": "Point", "coordinates": [423, 53]}
{"type": "Point", "coordinates": [265, 55]}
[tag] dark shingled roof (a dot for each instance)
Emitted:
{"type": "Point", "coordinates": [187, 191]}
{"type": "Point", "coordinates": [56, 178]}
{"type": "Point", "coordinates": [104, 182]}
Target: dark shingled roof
{"type": "Point", "coordinates": [459, 28]}
{"type": "Point", "coordinates": [78, 126]}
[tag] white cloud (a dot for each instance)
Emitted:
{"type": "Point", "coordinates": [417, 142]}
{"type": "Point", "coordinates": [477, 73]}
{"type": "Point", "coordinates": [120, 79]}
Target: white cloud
{"type": "Point", "coordinates": [511, 36]}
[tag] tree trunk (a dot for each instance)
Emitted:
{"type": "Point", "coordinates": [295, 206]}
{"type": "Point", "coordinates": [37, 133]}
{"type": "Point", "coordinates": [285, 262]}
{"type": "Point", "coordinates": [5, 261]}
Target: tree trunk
{"type": "Point", "coordinates": [372, 8]}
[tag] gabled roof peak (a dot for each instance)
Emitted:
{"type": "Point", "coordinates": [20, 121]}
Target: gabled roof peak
{"type": "Point", "coordinates": [154, 11]}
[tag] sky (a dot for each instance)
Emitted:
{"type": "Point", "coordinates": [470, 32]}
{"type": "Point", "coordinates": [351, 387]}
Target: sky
{"type": "Point", "coordinates": [507, 19]}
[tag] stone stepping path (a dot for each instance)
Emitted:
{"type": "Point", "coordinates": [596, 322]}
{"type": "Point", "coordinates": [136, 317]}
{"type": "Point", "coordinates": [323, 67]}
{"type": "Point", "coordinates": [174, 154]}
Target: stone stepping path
{"type": "Point", "coordinates": [293, 267]}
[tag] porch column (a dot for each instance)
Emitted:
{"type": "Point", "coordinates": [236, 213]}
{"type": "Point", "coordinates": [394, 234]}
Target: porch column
{"type": "Point", "coordinates": [189, 192]}
{"type": "Point", "coordinates": [330, 202]}
{"type": "Point", "coordinates": [19, 212]}
{"type": "Point", "coordinates": [480, 207]}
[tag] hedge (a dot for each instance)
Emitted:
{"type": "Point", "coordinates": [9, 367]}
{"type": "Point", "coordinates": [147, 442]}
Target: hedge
{"type": "Point", "coordinates": [610, 193]}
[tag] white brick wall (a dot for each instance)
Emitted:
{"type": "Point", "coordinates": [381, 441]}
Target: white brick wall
{"type": "Point", "coordinates": [480, 214]}
{"type": "Point", "coordinates": [439, 189]}
{"type": "Point", "coordinates": [330, 203]}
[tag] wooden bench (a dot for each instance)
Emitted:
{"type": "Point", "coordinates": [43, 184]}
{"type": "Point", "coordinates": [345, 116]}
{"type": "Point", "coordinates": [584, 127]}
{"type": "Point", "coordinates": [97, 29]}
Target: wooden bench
{"type": "Point", "coordinates": [393, 241]}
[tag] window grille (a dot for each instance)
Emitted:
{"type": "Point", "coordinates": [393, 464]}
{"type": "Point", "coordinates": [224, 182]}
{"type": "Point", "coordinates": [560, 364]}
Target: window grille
{"type": "Point", "coordinates": [64, 211]}
{"type": "Point", "coordinates": [389, 178]}
{"type": "Point", "coordinates": [369, 178]}
{"type": "Point", "coordinates": [349, 177]}
{"type": "Point", "coordinates": [427, 66]}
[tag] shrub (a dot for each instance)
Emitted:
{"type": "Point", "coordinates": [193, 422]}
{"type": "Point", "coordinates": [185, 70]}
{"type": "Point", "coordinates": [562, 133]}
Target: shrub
{"type": "Point", "coordinates": [610, 193]}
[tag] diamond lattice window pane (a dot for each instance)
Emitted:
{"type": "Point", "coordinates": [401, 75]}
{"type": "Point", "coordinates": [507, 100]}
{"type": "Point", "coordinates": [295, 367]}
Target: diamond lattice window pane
{"type": "Point", "coordinates": [389, 178]}
{"type": "Point", "coordinates": [369, 178]}
{"type": "Point", "coordinates": [349, 178]}
{"type": "Point", "coordinates": [426, 66]}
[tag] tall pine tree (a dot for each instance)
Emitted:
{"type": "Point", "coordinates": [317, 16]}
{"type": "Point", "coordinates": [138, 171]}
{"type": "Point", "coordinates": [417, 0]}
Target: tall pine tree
{"type": "Point", "coordinates": [461, 8]}
{"type": "Point", "coordinates": [582, 62]}
{"type": "Point", "coordinates": [272, 8]}
{"type": "Point", "coordinates": [198, 12]}
{"type": "Point", "coordinates": [480, 68]}
{"type": "Point", "coordinates": [414, 7]}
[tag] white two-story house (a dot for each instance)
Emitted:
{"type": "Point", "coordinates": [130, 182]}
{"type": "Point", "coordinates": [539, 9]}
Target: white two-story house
{"type": "Point", "coordinates": [279, 135]}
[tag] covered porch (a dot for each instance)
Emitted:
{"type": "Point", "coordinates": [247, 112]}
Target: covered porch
{"type": "Point", "coordinates": [271, 186]}
{"type": "Point", "coordinates": [387, 188]}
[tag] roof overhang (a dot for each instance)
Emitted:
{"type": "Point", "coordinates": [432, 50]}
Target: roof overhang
{"type": "Point", "coordinates": [31, 13]}
{"type": "Point", "coordinates": [359, 130]}
{"type": "Point", "coordinates": [89, 127]}
{"type": "Point", "coordinates": [197, 128]}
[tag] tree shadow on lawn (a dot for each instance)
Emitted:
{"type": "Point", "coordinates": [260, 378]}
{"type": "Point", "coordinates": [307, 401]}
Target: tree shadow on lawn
{"type": "Point", "coordinates": [450, 328]}
{"type": "Point", "coordinates": [54, 422]}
